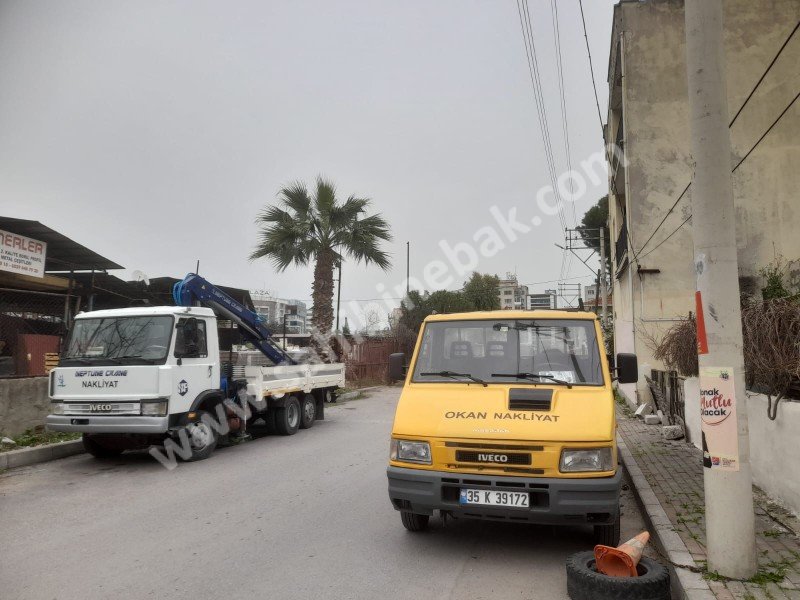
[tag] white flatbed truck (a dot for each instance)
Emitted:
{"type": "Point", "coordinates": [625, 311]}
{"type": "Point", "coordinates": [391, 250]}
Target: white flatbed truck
{"type": "Point", "coordinates": [138, 377]}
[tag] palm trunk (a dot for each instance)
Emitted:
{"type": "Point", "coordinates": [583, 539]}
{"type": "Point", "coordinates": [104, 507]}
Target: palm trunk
{"type": "Point", "coordinates": [322, 294]}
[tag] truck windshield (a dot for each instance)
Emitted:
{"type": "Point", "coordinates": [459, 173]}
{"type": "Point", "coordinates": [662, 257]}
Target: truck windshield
{"type": "Point", "coordinates": [119, 340]}
{"type": "Point", "coordinates": [526, 352]}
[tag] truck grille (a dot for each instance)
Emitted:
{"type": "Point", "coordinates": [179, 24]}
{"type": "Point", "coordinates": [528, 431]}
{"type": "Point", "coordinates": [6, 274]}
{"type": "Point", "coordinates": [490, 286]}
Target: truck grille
{"type": "Point", "coordinates": [101, 408]}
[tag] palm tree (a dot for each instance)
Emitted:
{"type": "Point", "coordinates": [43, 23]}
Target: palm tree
{"type": "Point", "coordinates": [321, 230]}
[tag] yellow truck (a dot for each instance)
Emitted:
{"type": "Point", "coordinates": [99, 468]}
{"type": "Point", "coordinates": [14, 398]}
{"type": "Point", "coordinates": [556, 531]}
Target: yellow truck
{"type": "Point", "coordinates": [508, 416]}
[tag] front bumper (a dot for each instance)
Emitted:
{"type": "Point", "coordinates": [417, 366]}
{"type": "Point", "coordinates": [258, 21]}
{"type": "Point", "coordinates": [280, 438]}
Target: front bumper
{"type": "Point", "coordinates": [107, 424]}
{"type": "Point", "coordinates": [553, 501]}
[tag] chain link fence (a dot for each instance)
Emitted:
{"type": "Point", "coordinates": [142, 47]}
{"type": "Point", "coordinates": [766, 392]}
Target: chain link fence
{"type": "Point", "coordinates": [33, 326]}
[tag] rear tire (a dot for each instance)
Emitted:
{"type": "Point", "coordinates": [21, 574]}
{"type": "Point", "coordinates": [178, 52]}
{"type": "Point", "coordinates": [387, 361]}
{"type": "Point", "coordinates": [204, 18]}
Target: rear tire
{"type": "Point", "coordinates": [287, 418]}
{"type": "Point", "coordinates": [608, 535]}
{"type": "Point", "coordinates": [201, 436]}
{"type": "Point", "coordinates": [413, 521]}
{"type": "Point", "coordinates": [308, 411]}
{"type": "Point", "coordinates": [94, 447]}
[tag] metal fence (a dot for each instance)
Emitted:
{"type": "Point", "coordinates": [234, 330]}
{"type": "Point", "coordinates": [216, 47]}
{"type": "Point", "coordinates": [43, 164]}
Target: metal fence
{"type": "Point", "coordinates": [33, 326]}
{"type": "Point", "coordinates": [667, 390]}
{"type": "Point", "coordinates": [369, 359]}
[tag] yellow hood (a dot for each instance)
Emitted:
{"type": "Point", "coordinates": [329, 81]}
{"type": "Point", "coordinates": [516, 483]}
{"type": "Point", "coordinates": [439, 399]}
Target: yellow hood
{"type": "Point", "coordinates": [457, 410]}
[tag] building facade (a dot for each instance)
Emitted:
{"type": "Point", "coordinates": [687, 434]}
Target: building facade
{"type": "Point", "coordinates": [274, 309]}
{"type": "Point", "coordinates": [548, 299]}
{"type": "Point", "coordinates": [513, 296]}
{"type": "Point", "coordinates": [651, 164]}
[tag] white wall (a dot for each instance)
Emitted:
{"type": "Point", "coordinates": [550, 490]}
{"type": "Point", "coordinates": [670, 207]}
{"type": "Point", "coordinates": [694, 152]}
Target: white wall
{"type": "Point", "coordinates": [774, 445]}
{"type": "Point", "coordinates": [774, 450]}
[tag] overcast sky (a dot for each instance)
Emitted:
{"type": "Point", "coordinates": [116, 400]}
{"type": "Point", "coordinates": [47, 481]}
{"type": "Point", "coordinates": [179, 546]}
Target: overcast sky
{"type": "Point", "coordinates": [153, 132]}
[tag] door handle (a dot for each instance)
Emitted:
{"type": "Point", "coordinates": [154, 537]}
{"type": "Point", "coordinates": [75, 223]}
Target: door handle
{"type": "Point", "coordinates": [209, 370]}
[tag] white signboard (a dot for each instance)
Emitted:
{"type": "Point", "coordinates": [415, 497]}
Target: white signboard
{"type": "Point", "coordinates": [20, 254]}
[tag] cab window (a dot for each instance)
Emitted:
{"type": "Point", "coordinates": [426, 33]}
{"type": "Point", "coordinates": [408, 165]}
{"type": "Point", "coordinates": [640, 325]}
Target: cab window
{"type": "Point", "coordinates": [190, 338]}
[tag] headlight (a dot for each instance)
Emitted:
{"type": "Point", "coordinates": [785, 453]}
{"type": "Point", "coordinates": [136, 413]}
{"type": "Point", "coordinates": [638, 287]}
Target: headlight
{"type": "Point", "coordinates": [406, 451]}
{"type": "Point", "coordinates": [154, 409]}
{"type": "Point", "coordinates": [583, 461]}
{"type": "Point", "coordinates": [56, 408]}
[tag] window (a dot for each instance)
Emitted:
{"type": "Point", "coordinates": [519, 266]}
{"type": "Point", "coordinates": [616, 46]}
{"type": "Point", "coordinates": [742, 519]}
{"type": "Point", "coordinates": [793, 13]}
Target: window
{"type": "Point", "coordinates": [506, 292]}
{"type": "Point", "coordinates": [190, 338]}
{"type": "Point", "coordinates": [564, 349]}
{"type": "Point", "coordinates": [118, 340]}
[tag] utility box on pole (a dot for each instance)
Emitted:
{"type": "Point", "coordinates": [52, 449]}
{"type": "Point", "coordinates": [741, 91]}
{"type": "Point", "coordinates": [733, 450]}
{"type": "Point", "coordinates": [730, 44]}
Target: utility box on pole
{"type": "Point", "coordinates": [730, 522]}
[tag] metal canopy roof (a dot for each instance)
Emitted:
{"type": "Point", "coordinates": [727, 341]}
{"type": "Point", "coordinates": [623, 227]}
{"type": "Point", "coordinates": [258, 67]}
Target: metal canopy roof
{"type": "Point", "coordinates": [63, 254]}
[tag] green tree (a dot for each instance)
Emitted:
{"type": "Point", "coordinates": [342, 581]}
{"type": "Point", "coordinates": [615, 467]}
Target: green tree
{"type": "Point", "coordinates": [593, 219]}
{"type": "Point", "coordinates": [482, 291]}
{"type": "Point", "coordinates": [317, 228]}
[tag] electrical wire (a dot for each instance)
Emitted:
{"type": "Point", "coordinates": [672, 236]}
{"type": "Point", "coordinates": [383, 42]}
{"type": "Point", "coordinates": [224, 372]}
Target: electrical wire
{"type": "Point", "coordinates": [749, 152]}
{"type": "Point", "coordinates": [541, 110]}
{"type": "Point", "coordinates": [591, 67]}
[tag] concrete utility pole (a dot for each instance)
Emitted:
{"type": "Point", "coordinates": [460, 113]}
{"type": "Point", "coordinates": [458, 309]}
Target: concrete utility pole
{"type": "Point", "coordinates": [730, 528]}
{"type": "Point", "coordinates": [604, 273]}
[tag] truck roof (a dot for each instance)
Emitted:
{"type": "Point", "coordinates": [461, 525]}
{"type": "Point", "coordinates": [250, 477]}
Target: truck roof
{"type": "Point", "coordinates": [513, 314]}
{"type": "Point", "coordinates": [147, 311]}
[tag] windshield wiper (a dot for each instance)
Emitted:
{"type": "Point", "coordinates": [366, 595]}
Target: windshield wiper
{"type": "Point", "coordinates": [129, 356]}
{"type": "Point", "coordinates": [454, 375]}
{"type": "Point", "coordinates": [534, 376]}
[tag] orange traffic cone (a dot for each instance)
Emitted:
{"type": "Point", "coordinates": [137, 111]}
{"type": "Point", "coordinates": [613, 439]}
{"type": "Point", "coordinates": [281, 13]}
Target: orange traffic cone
{"type": "Point", "coordinates": [621, 561]}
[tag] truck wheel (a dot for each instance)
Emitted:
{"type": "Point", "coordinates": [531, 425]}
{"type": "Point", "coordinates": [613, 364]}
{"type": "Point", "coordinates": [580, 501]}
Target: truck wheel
{"type": "Point", "coordinates": [287, 418]}
{"type": "Point", "coordinates": [269, 421]}
{"type": "Point", "coordinates": [607, 535]}
{"type": "Point", "coordinates": [202, 437]}
{"type": "Point", "coordinates": [308, 411]}
{"type": "Point", "coordinates": [413, 521]}
{"type": "Point", "coordinates": [97, 449]}
{"type": "Point", "coordinates": [584, 583]}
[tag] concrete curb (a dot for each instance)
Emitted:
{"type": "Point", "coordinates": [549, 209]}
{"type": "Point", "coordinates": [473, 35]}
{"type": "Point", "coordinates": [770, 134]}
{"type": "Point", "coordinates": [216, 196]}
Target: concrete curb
{"type": "Point", "coordinates": [30, 456]}
{"type": "Point", "coordinates": [691, 585]}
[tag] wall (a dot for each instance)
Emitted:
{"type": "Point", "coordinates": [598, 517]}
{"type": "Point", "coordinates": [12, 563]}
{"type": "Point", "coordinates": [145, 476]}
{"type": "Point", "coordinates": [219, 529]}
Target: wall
{"type": "Point", "coordinates": [774, 450]}
{"type": "Point", "coordinates": [773, 444]}
{"type": "Point", "coordinates": [23, 404]}
{"type": "Point", "coordinates": [649, 101]}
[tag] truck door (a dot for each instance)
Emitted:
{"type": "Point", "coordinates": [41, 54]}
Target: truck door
{"type": "Point", "coordinates": [194, 372]}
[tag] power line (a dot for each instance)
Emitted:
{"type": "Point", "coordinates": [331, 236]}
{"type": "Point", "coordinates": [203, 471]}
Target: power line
{"type": "Point", "coordinates": [541, 109]}
{"type": "Point", "coordinates": [764, 74]}
{"type": "Point", "coordinates": [749, 152]}
{"type": "Point", "coordinates": [738, 112]}
{"type": "Point", "coordinates": [775, 122]}
{"type": "Point", "coordinates": [564, 119]}
{"type": "Point", "coordinates": [591, 68]}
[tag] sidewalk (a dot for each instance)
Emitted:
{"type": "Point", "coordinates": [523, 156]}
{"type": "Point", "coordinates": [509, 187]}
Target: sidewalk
{"type": "Point", "coordinates": [674, 472]}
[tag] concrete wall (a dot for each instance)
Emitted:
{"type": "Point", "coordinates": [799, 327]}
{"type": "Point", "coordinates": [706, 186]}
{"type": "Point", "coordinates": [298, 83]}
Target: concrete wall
{"type": "Point", "coordinates": [773, 450]}
{"type": "Point", "coordinates": [773, 444]}
{"type": "Point", "coordinates": [648, 100]}
{"type": "Point", "coordinates": [23, 404]}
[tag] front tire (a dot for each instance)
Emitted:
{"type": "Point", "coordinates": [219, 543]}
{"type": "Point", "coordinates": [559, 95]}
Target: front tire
{"type": "Point", "coordinates": [608, 535]}
{"type": "Point", "coordinates": [287, 418]}
{"type": "Point", "coordinates": [96, 448]}
{"type": "Point", "coordinates": [201, 436]}
{"type": "Point", "coordinates": [308, 411]}
{"type": "Point", "coordinates": [413, 521]}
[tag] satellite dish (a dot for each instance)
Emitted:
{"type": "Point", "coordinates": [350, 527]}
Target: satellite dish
{"type": "Point", "coordinates": [141, 276]}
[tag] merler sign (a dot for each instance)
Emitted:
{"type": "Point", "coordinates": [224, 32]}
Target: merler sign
{"type": "Point", "coordinates": [20, 254]}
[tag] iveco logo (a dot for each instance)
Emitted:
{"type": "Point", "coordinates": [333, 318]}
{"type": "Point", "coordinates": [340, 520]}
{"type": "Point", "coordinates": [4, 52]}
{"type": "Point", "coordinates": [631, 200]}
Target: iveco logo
{"type": "Point", "coordinates": [495, 458]}
{"type": "Point", "coordinates": [101, 407]}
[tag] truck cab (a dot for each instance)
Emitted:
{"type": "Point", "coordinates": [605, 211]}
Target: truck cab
{"type": "Point", "coordinates": [509, 415]}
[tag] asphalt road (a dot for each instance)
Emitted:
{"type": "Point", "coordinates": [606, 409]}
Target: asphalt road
{"type": "Point", "coordinates": [300, 517]}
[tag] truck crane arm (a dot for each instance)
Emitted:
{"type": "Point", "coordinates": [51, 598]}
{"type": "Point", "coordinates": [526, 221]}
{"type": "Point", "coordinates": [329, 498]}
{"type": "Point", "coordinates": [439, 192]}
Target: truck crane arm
{"type": "Point", "coordinates": [194, 290]}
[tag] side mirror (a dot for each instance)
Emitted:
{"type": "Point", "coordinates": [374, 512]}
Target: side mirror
{"type": "Point", "coordinates": [397, 366]}
{"type": "Point", "coordinates": [627, 368]}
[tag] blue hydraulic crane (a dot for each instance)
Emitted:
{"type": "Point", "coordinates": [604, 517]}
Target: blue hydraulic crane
{"type": "Point", "coordinates": [194, 290]}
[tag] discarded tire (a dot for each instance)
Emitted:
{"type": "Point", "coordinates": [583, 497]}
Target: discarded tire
{"type": "Point", "coordinates": [584, 583]}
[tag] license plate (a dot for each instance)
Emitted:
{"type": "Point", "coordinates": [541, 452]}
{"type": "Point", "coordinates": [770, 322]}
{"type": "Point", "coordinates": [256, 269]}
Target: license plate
{"type": "Point", "coordinates": [494, 498]}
